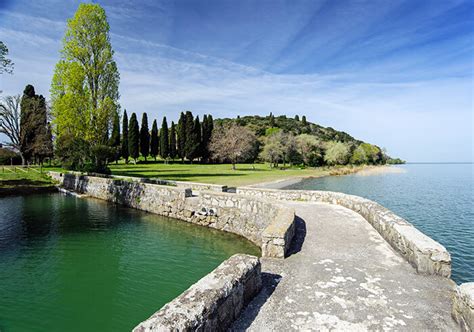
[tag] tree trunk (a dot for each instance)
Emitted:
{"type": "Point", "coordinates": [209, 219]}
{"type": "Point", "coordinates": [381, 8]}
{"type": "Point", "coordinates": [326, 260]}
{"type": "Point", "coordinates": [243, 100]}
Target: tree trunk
{"type": "Point", "coordinates": [233, 166]}
{"type": "Point", "coordinates": [23, 161]}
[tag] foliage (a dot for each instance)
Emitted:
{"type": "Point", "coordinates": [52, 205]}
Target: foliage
{"type": "Point", "coordinates": [232, 143]}
{"type": "Point", "coordinates": [144, 137]}
{"type": "Point", "coordinates": [310, 150]}
{"type": "Point", "coordinates": [114, 141]}
{"type": "Point", "coordinates": [133, 137]}
{"type": "Point", "coordinates": [359, 156]}
{"type": "Point", "coordinates": [192, 145]}
{"type": "Point", "coordinates": [207, 128]}
{"type": "Point", "coordinates": [172, 141]}
{"type": "Point", "coordinates": [181, 136]}
{"type": "Point", "coordinates": [164, 140]}
{"type": "Point", "coordinates": [337, 153]}
{"type": "Point", "coordinates": [72, 151]}
{"type": "Point", "coordinates": [6, 65]}
{"type": "Point", "coordinates": [84, 89]}
{"type": "Point", "coordinates": [372, 152]}
{"type": "Point", "coordinates": [125, 153]}
{"type": "Point", "coordinates": [154, 140]}
{"type": "Point", "coordinates": [35, 132]}
{"type": "Point", "coordinates": [8, 157]}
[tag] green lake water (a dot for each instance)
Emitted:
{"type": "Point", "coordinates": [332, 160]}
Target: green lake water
{"type": "Point", "coordinates": [437, 198]}
{"type": "Point", "coordinates": [70, 264]}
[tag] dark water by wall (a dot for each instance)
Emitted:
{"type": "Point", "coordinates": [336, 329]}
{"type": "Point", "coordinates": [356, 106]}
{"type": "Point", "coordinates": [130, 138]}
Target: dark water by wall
{"type": "Point", "coordinates": [69, 264]}
{"type": "Point", "coordinates": [437, 198]}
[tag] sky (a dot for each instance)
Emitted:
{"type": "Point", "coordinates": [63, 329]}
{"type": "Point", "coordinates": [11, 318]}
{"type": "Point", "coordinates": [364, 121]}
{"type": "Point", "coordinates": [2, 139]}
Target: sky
{"type": "Point", "coordinates": [395, 73]}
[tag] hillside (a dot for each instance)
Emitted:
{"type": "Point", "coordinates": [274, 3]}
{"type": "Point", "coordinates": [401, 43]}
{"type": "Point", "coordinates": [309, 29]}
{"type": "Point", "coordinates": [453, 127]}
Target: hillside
{"type": "Point", "coordinates": [296, 126]}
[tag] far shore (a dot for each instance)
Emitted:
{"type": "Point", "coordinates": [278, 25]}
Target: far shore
{"type": "Point", "coordinates": [365, 170]}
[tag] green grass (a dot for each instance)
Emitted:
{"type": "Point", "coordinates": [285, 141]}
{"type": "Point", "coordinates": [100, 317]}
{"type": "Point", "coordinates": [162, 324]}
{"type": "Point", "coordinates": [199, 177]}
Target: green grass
{"type": "Point", "coordinates": [11, 177]}
{"type": "Point", "coordinates": [245, 174]}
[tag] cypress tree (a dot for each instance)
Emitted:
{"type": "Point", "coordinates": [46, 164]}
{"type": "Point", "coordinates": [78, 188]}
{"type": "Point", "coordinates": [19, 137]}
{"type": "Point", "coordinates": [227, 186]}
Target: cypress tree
{"type": "Point", "coordinates": [133, 137]}
{"type": "Point", "coordinates": [115, 137]}
{"type": "Point", "coordinates": [191, 142]}
{"type": "Point", "coordinates": [297, 117]}
{"type": "Point", "coordinates": [207, 126]}
{"type": "Point", "coordinates": [154, 140]}
{"type": "Point", "coordinates": [198, 138]}
{"type": "Point", "coordinates": [181, 136]}
{"type": "Point", "coordinates": [272, 120]}
{"type": "Point", "coordinates": [303, 120]}
{"type": "Point", "coordinates": [164, 140]}
{"type": "Point", "coordinates": [144, 137]}
{"type": "Point", "coordinates": [173, 141]}
{"type": "Point", "coordinates": [125, 153]}
{"type": "Point", "coordinates": [27, 125]}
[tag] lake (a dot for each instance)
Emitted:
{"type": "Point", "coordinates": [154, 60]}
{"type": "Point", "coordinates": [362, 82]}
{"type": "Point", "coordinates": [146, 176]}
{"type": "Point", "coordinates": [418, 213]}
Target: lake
{"type": "Point", "coordinates": [437, 198]}
{"type": "Point", "coordinates": [71, 264]}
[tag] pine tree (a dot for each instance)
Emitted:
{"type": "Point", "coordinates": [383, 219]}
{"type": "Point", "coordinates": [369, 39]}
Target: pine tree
{"type": "Point", "coordinates": [173, 141]}
{"type": "Point", "coordinates": [145, 137]}
{"type": "Point", "coordinates": [164, 140]}
{"type": "Point", "coordinates": [181, 146]}
{"type": "Point", "coordinates": [133, 138]}
{"type": "Point", "coordinates": [190, 146]}
{"type": "Point", "coordinates": [198, 138]}
{"type": "Point", "coordinates": [125, 153]}
{"type": "Point", "coordinates": [115, 137]}
{"type": "Point", "coordinates": [154, 140]}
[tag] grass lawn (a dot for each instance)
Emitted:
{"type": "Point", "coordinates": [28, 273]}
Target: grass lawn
{"type": "Point", "coordinates": [217, 174]}
{"type": "Point", "coordinates": [14, 177]}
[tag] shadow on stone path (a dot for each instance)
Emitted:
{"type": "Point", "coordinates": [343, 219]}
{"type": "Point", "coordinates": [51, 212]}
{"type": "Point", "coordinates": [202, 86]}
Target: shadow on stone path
{"type": "Point", "coordinates": [342, 275]}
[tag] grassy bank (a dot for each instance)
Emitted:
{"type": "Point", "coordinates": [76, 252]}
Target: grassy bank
{"type": "Point", "coordinates": [15, 180]}
{"type": "Point", "coordinates": [245, 174]}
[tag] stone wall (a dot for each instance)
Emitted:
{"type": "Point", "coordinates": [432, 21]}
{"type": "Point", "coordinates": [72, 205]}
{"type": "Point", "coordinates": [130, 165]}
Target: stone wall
{"type": "Point", "coordinates": [214, 302]}
{"type": "Point", "coordinates": [425, 254]}
{"type": "Point", "coordinates": [463, 306]}
{"type": "Point", "coordinates": [268, 224]}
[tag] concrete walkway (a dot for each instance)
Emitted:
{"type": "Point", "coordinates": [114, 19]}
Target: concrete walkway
{"type": "Point", "coordinates": [342, 275]}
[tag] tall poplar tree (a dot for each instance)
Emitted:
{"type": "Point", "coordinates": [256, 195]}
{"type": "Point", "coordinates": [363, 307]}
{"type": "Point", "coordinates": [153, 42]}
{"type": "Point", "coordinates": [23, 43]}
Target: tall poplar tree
{"type": "Point", "coordinates": [181, 139]}
{"type": "Point", "coordinates": [144, 137]}
{"type": "Point", "coordinates": [133, 137]}
{"type": "Point", "coordinates": [125, 153]}
{"type": "Point", "coordinates": [154, 140]}
{"type": "Point", "coordinates": [164, 140]}
{"type": "Point", "coordinates": [84, 88]}
{"type": "Point", "coordinates": [173, 151]}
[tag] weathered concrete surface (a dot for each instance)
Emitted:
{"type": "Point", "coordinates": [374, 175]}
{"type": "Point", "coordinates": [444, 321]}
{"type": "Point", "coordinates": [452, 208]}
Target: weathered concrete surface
{"type": "Point", "coordinates": [463, 306]}
{"type": "Point", "coordinates": [214, 302]}
{"type": "Point", "coordinates": [345, 276]}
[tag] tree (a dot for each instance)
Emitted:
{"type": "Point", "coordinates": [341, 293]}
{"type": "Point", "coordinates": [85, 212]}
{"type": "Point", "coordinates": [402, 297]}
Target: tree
{"type": "Point", "coordinates": [309, 147]}
{"type": "Point", "coordinates": [114, 141]}
{"type": "Point", "coordinates": [10, 122]}
{"type": "Point", "coordinates": [35, 139]}
{"type": "Point", "coordinates": [173, 141]}
{"type": "Point", "coordinates": [164, 140]}
{"type": "Point", "coordinates": [84, 89]}
{"type": "Point", "coordinates": [337, 153]}
{"type": "Point", "coordinates": [192, 145]}
{"type": "Point", "coordinates": [154, 140]}
{"type": "Point", "coordinates": [144, 137]}
{"type": "Point", "coordinates": [372, 152]}
{"type": "Point", "coordinates": [6, 65]}
{"type": "Point", "coordinates": [359, 156]}
{"type": "Point", "coordinates": [125, 153]}
{"type": "Point", "coordinates": [232, 142]}
{"type": "Point", "coordinates": [303, 121]}
{"type": "Point", "coordinates": [133, 137]}
{"type": "Point", "coordinates": [207, 128]}
{"type": "Point", "coordinates": [273, 149]}
{"type": "Point", "coordinates": [197, 137]}
{"type": "Point", "coordinates": [297, 117]}
{"type": "Point", "coordinates": [272, 120]}
{"type": "Point", "coordinates": [181, 137]}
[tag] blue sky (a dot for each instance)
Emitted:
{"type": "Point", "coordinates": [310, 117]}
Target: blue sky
{"type": "Point", "coordinates": [395, 73]}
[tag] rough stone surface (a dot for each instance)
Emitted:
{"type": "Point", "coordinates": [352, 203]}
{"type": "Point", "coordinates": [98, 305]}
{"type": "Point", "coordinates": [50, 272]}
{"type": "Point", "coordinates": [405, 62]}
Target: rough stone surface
{"type": "Point", "coordinates": [463, 306]}
{"type": "Point", "coordinates": [214, 302]}
{"type": "Point", "coordinates": [266, 223]}
{"type": "Point", "coordinates": [425, 254]}
{"type": "Point", "coordinates": [343, 276]}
